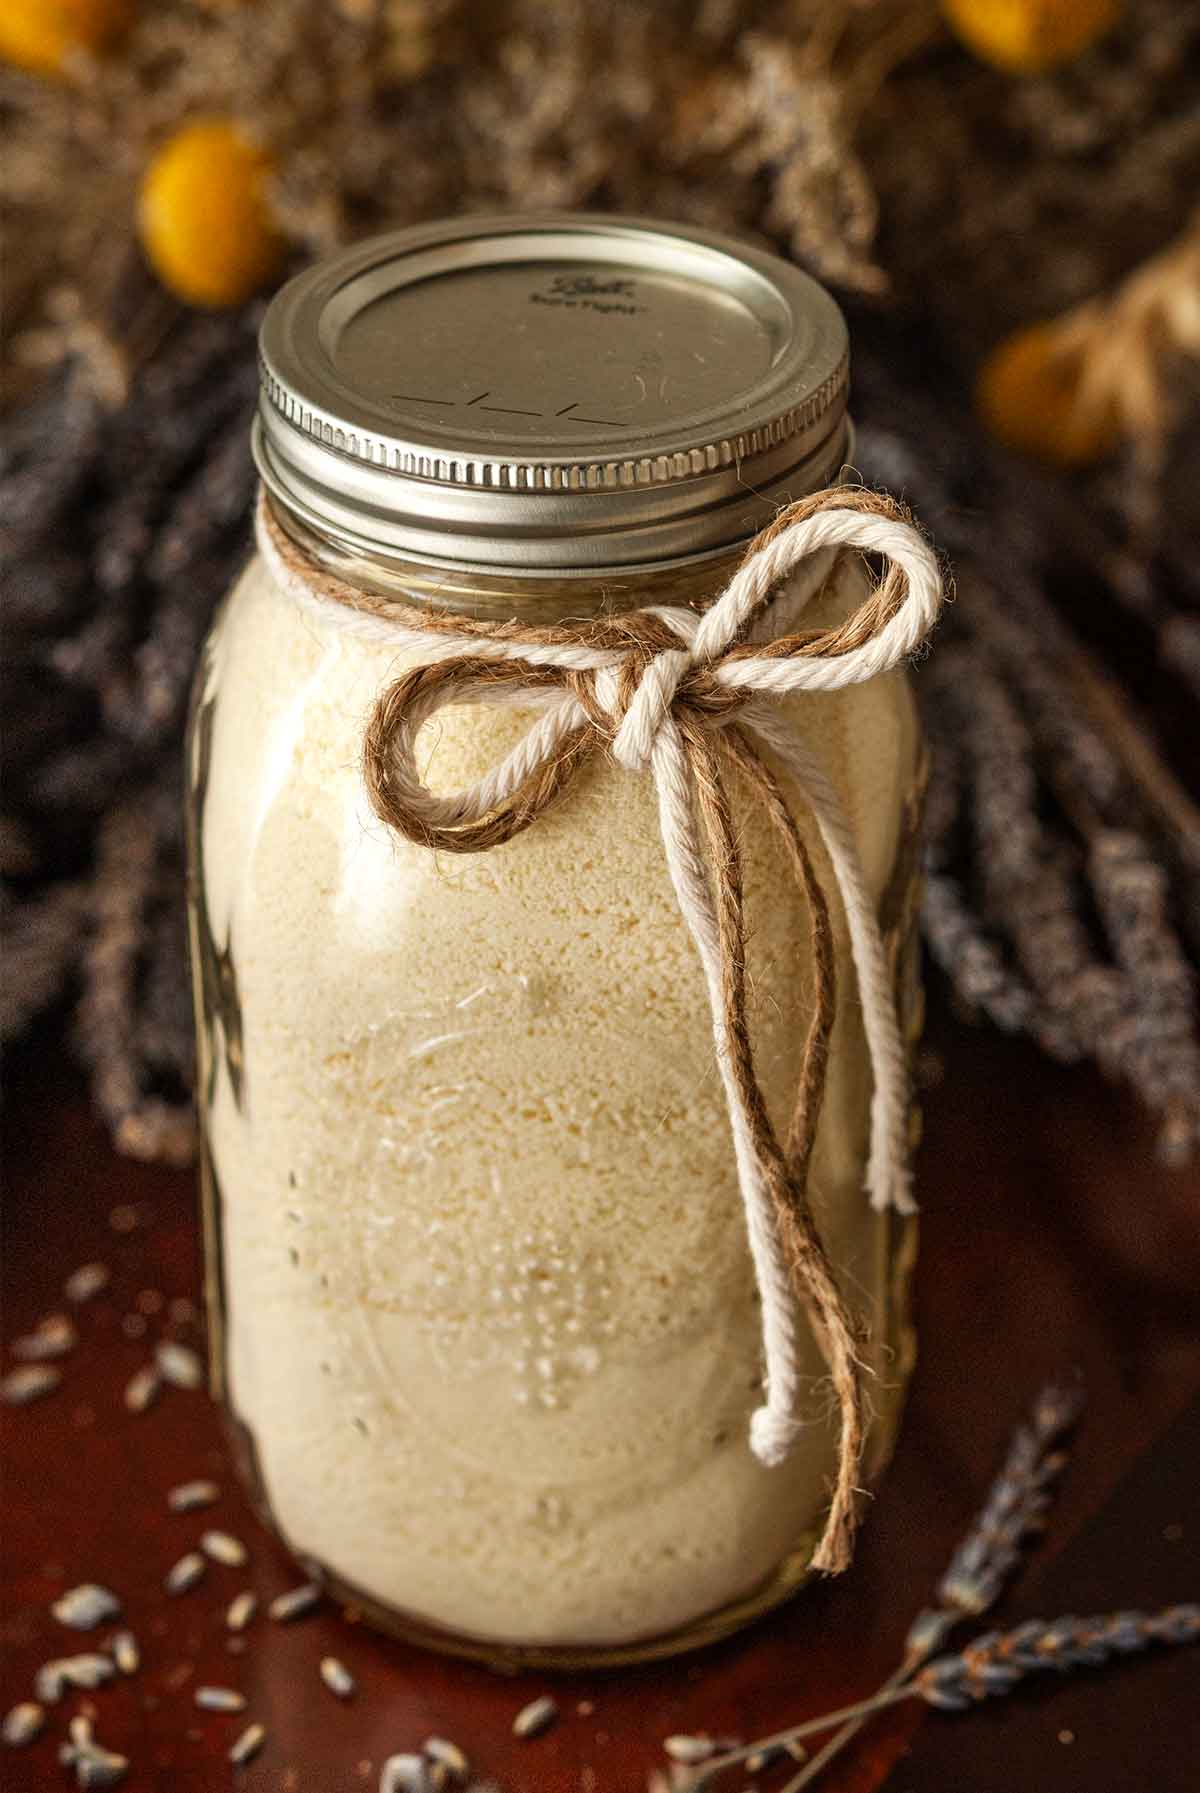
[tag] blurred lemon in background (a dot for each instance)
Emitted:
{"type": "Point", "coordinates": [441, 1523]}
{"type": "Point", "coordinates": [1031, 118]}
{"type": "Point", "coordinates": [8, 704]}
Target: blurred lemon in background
{"type": "Point", "coordinates": [40, 35]}
{"type": "Point", "coordinates": [205, 215]}
{"type": "Point", "coordinates": [1032, 395]}
{"type": "Point", "coordinates": [1027, 36]}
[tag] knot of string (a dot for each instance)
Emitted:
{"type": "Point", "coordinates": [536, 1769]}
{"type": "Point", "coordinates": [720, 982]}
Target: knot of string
{"type": "Point", "coordinates": [688, 698]}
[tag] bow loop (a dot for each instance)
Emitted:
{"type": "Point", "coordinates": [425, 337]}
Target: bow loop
{"type": "Point", "coordinates": [510, 797]}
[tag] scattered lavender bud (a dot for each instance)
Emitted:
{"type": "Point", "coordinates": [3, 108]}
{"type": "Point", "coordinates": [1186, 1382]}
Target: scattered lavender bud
{"type": "Point", "coordinates": [223, 1548]}
{"type": "Point", "coordinates": [85, 1607]}
{"type": "Point", "coordinates": [178, 1364]}
{"type": "Point", "coordinates": [688, 1749]}
{"type": "Point", "coordinates": [296, 1603]}
{"type": "Point", "coordinates": [185, 1574]}
{"type": "Point", "coordinates": [241, 1610]}
{"type": "Point", "coordinates": [50, 1683]}
{"type": "Point", "coordinates": [29, 1383]}
{"type": "Point", "coordinates": [220, 1699]}
{"type": "Point", "coordinates": [52, 1337]}
{"type": "Point", "coordinates": [337, 1677]}
{"type": "Point", "coordinates": [536, 1717]}
{"type": "Point", "coordinates": [190, 1495]}
{"type": "Point", "coordinates": [86, 1282]}
{"type": "Point", "coordinates": [405, 1774]}
{"type": "Point", "coordinates": [23, 1724]}
{"type": "Point", "coordinates": [142, 1389]}
{"type": "Point", "coordinates": [88, 1670]}
{"type": "Point", "coordinates": [447, 1755]}
{"type": "Point", "coordinates": [248, 1745]}
{"type": "Point", "coordinates": [99, 1767]}
{"type": "Point", "coordinates": [123, 1648]}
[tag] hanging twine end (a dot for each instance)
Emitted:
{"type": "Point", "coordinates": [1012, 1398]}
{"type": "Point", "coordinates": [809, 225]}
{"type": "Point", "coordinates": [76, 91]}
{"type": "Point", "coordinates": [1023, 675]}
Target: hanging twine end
{"type": "Point", "coordinates": [835, 1551]}
{"type": "Point", "coordinates": [772, 1435]}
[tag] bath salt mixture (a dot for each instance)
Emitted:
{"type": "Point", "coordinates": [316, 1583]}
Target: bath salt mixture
{"type": "Point", "coordinates": [490, 1316]}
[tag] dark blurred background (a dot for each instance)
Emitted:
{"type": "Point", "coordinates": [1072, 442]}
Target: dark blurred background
{"type": "Point", "coordinates": [1003, 198]}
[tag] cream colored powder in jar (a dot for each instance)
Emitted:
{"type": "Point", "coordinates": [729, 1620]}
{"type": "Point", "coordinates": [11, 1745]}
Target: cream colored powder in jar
{"type": "Point", "coordinates": [483, 1306]}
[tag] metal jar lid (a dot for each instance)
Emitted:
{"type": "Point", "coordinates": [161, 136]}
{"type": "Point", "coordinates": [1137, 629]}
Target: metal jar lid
{"type": "Point", "coordinates": [556, 390]}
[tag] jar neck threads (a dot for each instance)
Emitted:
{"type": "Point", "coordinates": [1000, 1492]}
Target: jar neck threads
{"type": "Point", "coordinates": [535, 596]}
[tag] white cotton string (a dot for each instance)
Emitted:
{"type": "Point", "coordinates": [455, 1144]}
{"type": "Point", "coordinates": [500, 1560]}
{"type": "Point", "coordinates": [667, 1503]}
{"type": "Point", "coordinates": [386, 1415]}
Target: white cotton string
{"type": "Point", "coordinates": [647, 736]}
{"type": "Point", "coordinates": [751, 585]}
{"type": "Point", "coordinates": [773, 1426]}
{"type": "Point", "coordinates": [889, 1179]}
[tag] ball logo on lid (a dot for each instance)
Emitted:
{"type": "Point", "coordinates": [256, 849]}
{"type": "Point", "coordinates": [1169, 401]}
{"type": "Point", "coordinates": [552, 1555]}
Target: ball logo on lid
{"type": "Point", "coordinates": [590, 292]}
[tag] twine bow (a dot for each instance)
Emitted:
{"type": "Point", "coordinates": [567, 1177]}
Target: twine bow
{"type": "Point", "coordinates": [687, 697]}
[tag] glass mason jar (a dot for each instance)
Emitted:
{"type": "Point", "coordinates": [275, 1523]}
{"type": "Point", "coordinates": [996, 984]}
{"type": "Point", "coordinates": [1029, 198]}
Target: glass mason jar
{"type": "Point", "coordinates": [483, 1312]}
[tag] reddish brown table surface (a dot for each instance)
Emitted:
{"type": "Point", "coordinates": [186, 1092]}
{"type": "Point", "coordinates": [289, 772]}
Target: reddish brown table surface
{"type": "Point", "coordinates": [1051, 1242]}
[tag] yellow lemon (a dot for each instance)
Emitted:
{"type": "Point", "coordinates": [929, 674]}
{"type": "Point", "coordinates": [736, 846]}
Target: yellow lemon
{"type": "Point", "coordinates": [1027, 36]}
{"type": "Point", "coordinates": [40, 34]}
{"type": "Point", "coordinates": [204, 215]}
{"type": "Point", "coordinates": [1031, 396]}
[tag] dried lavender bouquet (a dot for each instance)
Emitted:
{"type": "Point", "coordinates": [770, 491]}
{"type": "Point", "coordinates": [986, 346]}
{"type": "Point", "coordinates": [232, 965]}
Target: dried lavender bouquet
{"type": "Point", "coordinates": [1063, 848]}
{"type": "Point", "coordinates": [122, 525]}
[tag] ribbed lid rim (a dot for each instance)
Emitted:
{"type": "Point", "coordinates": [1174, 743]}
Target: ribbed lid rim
{"type": "Point", "coordinates": [424, 474]}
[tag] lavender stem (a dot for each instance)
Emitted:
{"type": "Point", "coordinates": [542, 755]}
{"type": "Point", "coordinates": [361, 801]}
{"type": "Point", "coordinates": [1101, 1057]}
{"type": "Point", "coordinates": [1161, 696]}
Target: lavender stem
{"type": "Point", "coordinates": [851, 1727]}
{"type": "Point", "coordinates": [861, 1709]}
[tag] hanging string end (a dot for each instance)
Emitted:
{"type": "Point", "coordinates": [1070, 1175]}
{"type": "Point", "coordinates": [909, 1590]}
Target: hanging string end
{"type": "Point", "coordinates": [773, 1432]}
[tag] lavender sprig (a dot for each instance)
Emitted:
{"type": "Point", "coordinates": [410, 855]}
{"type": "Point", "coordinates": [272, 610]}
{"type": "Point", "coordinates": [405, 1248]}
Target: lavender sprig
{"type": "Point", "coordinates": [1014, 1511]}
{"type": "Point", "coordinates": [996, 1662]}
{"type": "Point", "coordinates": [993, 1665]}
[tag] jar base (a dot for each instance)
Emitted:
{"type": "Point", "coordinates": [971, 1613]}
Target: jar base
{"type": "Point", "coordinates": [709, 1628]}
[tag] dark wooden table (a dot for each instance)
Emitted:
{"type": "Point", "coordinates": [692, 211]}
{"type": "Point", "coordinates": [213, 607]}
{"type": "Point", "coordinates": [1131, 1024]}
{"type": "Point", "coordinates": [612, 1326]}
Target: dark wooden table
{"type": "Point", "coordinates": [1051, 1242]}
